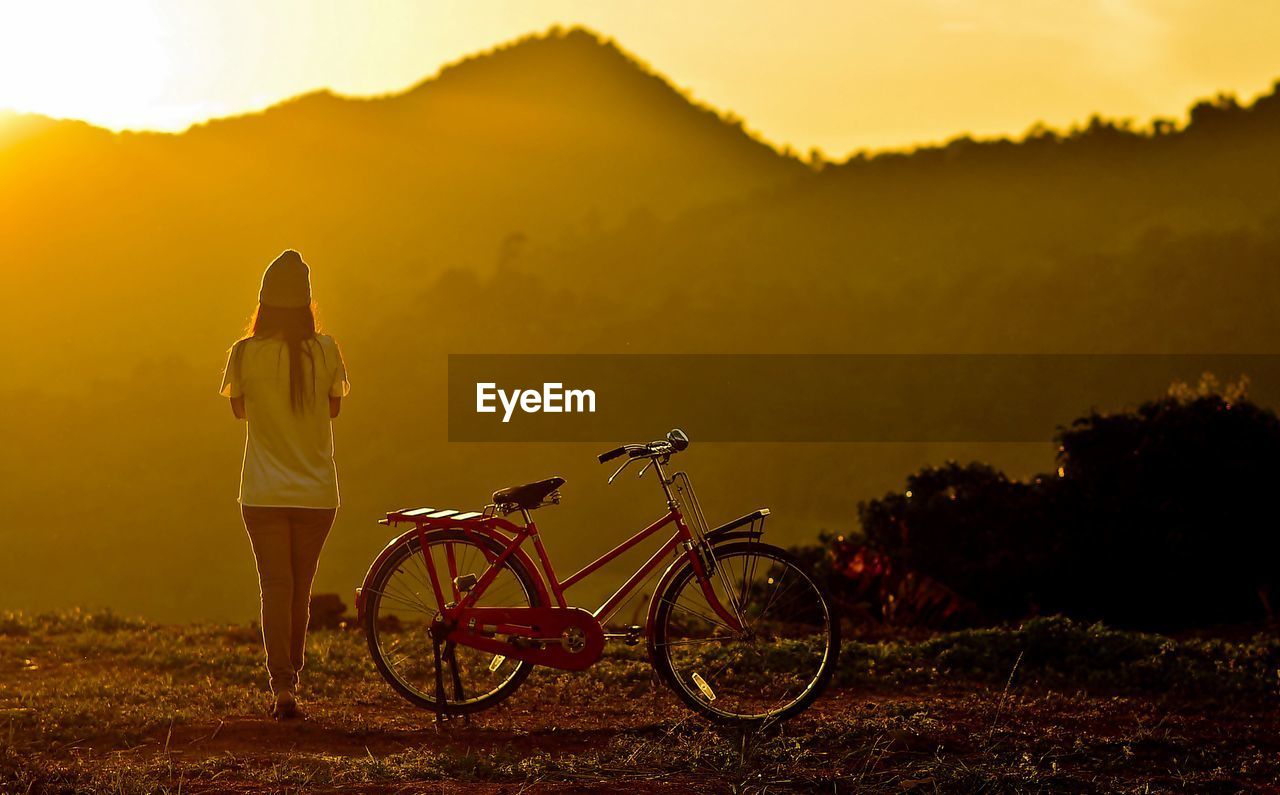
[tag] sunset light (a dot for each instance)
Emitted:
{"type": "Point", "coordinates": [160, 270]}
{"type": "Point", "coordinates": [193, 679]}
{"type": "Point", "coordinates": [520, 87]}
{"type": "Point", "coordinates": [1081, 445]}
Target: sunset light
{"type": "Point", "coordinates": [834, 75]}
{"type": "Point", "coordinates": [625, 396]}
{"type": "Point", "coordinates": [109, 63]}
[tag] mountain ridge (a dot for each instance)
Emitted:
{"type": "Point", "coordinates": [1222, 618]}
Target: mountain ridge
{"type": "Point", "coordinates": [576, 39]}
{"type": "Point", "coordinates": [582, 39]}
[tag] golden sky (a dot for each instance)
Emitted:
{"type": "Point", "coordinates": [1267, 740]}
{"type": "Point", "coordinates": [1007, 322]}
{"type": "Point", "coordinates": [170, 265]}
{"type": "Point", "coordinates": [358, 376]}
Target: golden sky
{"type": "Point", "coordinates": [838, 75]}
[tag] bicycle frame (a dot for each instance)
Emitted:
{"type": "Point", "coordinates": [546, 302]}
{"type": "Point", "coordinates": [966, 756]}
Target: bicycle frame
{"type": "Point", "coordinates": [682, 537]}
{"type": "Point", "coordinates": [512, 537]}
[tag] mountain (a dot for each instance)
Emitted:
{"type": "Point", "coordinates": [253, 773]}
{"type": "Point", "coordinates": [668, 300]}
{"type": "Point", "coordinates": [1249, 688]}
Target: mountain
{"type": "Point", "coordinates": [555, 195]}
{"type": "Point", "coordinates": [1102, 238]}
{"type": "Point", "coordinates": [549, 137]}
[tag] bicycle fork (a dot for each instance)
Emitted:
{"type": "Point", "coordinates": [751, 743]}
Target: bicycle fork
{"type": "Point", "coordinates": [703, 569]}
{"type": "Point", "coordinates": [705, 565]}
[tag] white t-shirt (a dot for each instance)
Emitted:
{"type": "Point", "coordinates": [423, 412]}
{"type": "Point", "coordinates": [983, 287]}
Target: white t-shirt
{"type": "Point", "coordinates": [288, 454]}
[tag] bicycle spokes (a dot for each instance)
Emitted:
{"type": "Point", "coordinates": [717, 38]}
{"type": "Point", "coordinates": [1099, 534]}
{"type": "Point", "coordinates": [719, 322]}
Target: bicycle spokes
{"type": "Point", "coordinates": [430, 670]}
{"type": "Point", "coordinates": [771, 663]}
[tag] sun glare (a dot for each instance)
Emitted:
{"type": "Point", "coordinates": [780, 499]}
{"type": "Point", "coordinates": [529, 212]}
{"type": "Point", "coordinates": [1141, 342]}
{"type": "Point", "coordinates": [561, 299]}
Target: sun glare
{"type": "Point", "coordinates": [837, 75]}
{"type": "Point", "coordinates": [102, 61]}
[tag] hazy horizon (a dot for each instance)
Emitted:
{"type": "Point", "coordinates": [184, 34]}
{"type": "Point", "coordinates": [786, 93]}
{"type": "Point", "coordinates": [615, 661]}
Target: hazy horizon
{"type": "Point", "coordinates": [864, 74]}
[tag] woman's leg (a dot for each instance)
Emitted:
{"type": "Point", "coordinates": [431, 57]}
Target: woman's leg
{"type": "Point", "coordinates": [310, 529]}
{"type": "Point", "coordinates": [269, 533]}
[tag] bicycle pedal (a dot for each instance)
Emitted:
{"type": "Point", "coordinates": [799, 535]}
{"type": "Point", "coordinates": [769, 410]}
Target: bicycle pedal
{"type": "Point", "coordinates": [632, 635]}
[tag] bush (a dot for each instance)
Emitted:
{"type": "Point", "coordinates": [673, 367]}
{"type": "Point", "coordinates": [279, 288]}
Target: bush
{"type": "Point", "coordinates": [1171, 513]}
{"type": "Point", "coordinates": [869, 586]}
{"type": "Point", "coordinates": [1159, 517]}
{"type": "Point", "coordinates": [972, 530]}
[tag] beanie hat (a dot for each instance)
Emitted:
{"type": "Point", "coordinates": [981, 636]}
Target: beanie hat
{"type": "Point", "coordinates": [286, 282]}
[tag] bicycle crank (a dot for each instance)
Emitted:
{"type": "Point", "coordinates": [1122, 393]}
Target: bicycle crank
{"type": "Point", "coordinates": [568, 638]}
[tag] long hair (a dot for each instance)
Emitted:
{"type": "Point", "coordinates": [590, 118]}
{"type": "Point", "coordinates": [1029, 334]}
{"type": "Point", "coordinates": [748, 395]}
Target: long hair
{"type": "Point", "coordinates": [297, 326]}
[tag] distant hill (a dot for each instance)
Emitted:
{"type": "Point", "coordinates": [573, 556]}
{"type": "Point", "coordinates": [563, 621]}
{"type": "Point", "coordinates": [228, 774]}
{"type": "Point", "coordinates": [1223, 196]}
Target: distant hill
{"type": "Point", "coordinates": [554, 194]}
{"type": "Point", "coordinates": [546, 138]}
{"type": "Point", "coordinates": [1102, 238]}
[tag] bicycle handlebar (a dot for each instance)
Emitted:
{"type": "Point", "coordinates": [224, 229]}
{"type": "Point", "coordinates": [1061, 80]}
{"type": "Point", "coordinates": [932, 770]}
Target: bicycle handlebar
{"type": "Point", "coordinates": [612, 454]}
{"type": "Point", "coordinates": [674, 443]}
{"type": "Point", "coordinates": [632, 450]}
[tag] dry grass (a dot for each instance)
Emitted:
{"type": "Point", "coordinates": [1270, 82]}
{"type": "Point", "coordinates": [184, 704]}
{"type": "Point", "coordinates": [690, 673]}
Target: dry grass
{"type": "Point", "coordinates": [91, 702]}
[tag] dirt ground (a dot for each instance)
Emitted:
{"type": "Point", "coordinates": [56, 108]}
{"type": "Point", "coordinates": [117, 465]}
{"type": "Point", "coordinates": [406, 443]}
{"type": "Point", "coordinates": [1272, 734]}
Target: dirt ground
{"type": "Point", "coordinates": [165, 709]}
{"type": "Point", "coordinates": [923, 739]}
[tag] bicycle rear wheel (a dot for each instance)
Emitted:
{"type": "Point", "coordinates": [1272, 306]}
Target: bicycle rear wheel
{"type": "Point", "coordinates": [770, 671]}
{"type": "Point", "coordinates": [401, 604]}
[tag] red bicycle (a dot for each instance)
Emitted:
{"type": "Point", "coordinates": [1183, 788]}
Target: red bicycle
{"type": "Point", "coordinates": [456, 612]}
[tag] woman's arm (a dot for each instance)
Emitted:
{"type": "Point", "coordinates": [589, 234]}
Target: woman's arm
{"type": "Point", "coordinates": [237, 407]}
{"type": "Point", "coordinates": [335, 405]}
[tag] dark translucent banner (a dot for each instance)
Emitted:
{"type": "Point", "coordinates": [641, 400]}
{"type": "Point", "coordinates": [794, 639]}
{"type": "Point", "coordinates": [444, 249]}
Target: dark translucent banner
{"type": "Point", "coordinates": [815, 398]}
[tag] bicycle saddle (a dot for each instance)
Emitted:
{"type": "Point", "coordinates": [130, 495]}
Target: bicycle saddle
{"type": "Point", "coordinates": [530, 495]}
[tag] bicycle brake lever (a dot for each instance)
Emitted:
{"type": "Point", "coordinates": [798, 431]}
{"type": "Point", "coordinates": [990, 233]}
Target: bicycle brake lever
{"type": "Point", "coordinates": [618, 471]}
{"type": "Point", "coordinates": [645, 468]}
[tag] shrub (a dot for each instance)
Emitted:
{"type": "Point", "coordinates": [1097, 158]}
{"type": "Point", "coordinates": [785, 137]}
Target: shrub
{"type": "Point", "coordinates": [869, 585]}
{"type": "Point", "coordinates": [1171, 513]}
{"type": "Point", "coordinates": [1158, 517]}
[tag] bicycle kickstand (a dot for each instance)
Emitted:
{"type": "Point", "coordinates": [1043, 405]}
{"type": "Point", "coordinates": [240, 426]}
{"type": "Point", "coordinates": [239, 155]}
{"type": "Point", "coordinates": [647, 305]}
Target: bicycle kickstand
{"type": "Point", "coordinates": [441, 716]}
{"type": "Point", "coordinates": [451, 654]}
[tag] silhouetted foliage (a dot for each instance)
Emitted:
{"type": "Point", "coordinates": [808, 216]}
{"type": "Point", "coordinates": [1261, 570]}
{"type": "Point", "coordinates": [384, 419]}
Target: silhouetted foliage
{"type": "Point", "coordinates": [1160, 517]}
{"type": "Point", "coordinates": [1172, 512]}
{"type": "Point", "coordinates": [870, 588]}
{"type": "Point", "coordinates": [970, 528]}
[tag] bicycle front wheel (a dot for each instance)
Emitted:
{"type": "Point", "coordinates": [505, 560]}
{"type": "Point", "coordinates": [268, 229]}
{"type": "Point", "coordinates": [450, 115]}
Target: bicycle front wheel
{"type": "Point", "coordinates": [775, 666]}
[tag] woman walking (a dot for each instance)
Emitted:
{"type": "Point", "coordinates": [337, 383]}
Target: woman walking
{"type": "Point", "coordinates": [288, 382]}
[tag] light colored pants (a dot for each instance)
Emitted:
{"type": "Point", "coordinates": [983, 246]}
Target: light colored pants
{"type": "Point", "coordinates": [286, 545]}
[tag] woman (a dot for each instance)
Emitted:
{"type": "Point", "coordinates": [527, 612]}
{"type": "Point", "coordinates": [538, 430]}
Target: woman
{"type": "Point", "coordinates": [288, 382]}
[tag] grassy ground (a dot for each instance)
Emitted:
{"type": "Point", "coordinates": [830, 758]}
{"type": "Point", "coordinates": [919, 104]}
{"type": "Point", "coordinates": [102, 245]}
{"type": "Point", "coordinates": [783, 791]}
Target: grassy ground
{"type": "Point", "coordinates": [94, 702]}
